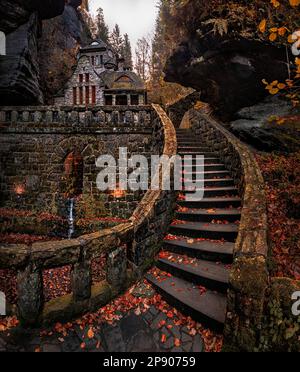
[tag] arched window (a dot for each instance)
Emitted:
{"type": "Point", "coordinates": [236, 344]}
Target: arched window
{"type": "Point", "coordinates": [73, 174]}
{"type": "Point", "coordinates": [2, 44]}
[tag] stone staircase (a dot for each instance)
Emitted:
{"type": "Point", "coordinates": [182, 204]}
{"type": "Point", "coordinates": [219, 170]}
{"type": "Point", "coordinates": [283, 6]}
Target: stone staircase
{"type": "Point", "coordinates": [192, 272]}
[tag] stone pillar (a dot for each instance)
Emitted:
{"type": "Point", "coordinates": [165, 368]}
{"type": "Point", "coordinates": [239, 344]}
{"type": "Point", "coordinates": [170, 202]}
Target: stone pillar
{"type": "Point", "coordinates": [2, 44]}
{"type": "Point", "coordinates": [81, 281]}
{"type": "Point", "coordinates": [128, 99]}
{"type": "Point", "coordinates": [116, 272]}
{"type": "Point", "coordinates": [141, 100]}
{"type": "Point", "coordinates": [30, 295]}
{"type": "Point", "coordinates": [114, 100]}
{"type": "Point", "coordinates": [2, 116]}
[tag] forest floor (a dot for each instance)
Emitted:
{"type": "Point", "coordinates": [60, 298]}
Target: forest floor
{"type": "Point", "coordinates": [138, 321]}
{"type": "Point", "coordinates": [282, 178]}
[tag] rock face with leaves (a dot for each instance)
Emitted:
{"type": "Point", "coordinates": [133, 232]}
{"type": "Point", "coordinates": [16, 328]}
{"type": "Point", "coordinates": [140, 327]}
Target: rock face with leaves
{"type": "Point", "coordinates": [222, 52]}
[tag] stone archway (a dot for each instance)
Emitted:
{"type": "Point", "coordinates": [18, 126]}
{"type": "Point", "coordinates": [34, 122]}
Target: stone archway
{"type": "Point", "coordinates": [73, 173]}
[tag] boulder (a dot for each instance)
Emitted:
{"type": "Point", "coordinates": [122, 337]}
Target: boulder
{"type": "Point", "coordinates": [228, 70]}
{"type": "Point", "coordinates": [256, 125]}
{"type": "Point", "coordinates": [14, 13]}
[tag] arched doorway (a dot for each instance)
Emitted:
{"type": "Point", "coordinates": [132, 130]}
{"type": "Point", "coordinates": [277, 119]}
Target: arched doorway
{"type": "Point", "coordinates": [73, 167]}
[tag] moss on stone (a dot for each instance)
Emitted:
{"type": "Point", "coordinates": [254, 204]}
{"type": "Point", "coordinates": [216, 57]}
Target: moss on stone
{"type": "Point", "coordinates": [281, 329]}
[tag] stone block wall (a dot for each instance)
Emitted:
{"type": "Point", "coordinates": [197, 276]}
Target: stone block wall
{"type": "Point", "coordinates": [35, 142]}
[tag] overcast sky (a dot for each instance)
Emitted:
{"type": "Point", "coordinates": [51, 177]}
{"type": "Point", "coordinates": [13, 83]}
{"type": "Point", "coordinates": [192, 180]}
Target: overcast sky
{"type": "Point", "coordinates": [135, 17]}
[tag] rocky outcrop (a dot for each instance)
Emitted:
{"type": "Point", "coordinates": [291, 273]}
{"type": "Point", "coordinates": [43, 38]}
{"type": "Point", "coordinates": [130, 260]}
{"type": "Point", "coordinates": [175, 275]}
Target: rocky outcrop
{"type": "Point", "coordinates": [228, 70]}
{"type": "Point", "coordinates": [19, 69]}
{"type": "Point", "coordinates": [38, 49]}
{"type": "Point", "coordinates": [14, 13]}
{"type": "Point", "coordinates": [257, 126]}
{"type": "Point", "coordinates": [58, 47]}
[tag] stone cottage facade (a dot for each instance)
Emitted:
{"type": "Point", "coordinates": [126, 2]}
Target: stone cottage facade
{"type": "Point", "coordinates": [101, 78]}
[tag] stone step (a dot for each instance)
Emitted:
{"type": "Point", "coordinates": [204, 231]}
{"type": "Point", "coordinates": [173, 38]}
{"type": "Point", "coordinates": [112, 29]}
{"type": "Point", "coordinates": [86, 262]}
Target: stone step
{"type": "Point", "coordinates": [206, 231]}
{"type": "Point", "coordinates": [197, 148]}
{"type": "Point", "coordinates": [211, 275]}
{"type": "Point", "coordinates": [207, 160]}
{"type": "Point", "coordinates": [209, 203]}
{"type": "Point", "coordinates": [207, 167]}
{"type": "Point", "coordinates": [205, 250]}
{"type": "Point", "coordinates": [210, 174]}
{"type": "Point", "coordinates": [195, 153]}
{"type": "Point", "coordinates": [208, 308]}
{"type": "Point", "coordinates": [221, 182]}
{"type": "Point", "coordinates": [208, 215]}
{"type": "Point", "coordinates": [214, 191]}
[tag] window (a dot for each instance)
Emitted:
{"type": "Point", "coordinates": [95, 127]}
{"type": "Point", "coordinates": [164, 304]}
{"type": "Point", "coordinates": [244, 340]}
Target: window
{"type": "Point", "coordinates": [87, 95]}
{"type": "Point", "coordinates": [93, 95]}
{"type": "Point", "coordinates": [87, 78]}
{"type": "Point", "coordinates": [108, 100]}
{"type": "Point", "coordinates": [93, 60]}
{"type": "Point", "coordinates": [2, 44]}
{"type": "Point", "coordinates": [81, 96]}
{"type": "Point", "coordinates": [74, 96]}
{"type": "Point", "coordinates": [135, 100]}
{"type": "Point", "coordinates": [101, 60]}
{"type": "Point", "coordinates": [97, 61]}
{"type": "Point", "coordinates": [121, 100]}
{"type": "Point", "coordinates": [80, 78]}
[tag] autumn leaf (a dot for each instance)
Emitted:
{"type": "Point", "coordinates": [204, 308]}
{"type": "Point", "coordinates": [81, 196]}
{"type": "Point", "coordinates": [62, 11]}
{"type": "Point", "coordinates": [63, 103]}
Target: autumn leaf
{"type": "Point", "coordinates": [177, 342]}
{"type": "Point", "coordinates": [282, 31]}
{"type": "Point", "coordinates": [90, 333]}
{"type": "Point", "coordinates": [163, 338]}
{"type": "Point", "coordinates": [262, 26]}
{"type": "Point", "coordinates": [295, 2]}
{"type": "Point", "coordinates": [281, 86]}
{"type": "Point", "coordinates": [273, 36]}
{"type": "Point", "coordinates": [275, 3]}
{"type": "Point", "coordinates": [170, 314]}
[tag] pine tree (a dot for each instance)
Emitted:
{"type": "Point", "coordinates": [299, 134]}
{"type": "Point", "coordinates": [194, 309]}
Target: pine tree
{"type": "Point", "coordinates": [102, 28]}
{"type": "Point", "coordinates": [143, 59]}
{"type": "Point", "coordinates": [116, 40]}
{"type": "Point", "coordinates": [127, 52]}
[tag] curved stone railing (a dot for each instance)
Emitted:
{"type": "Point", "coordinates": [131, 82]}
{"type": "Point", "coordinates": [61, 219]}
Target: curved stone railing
{"type": "Point", "coordinates": [130, 249]}
{"type": "Point", "coordinates": [249, 276]}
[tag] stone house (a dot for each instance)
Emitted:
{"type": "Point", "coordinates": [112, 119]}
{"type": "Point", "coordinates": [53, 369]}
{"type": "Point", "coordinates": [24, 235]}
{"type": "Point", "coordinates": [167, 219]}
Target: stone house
{"type": "Point", "coordinates": [101, 78]}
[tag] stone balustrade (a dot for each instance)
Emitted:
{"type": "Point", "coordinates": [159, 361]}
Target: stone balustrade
{"type": "Point", "coordinates": [77, 115]}
{"type": "Point", "coordinates": [129, 247]}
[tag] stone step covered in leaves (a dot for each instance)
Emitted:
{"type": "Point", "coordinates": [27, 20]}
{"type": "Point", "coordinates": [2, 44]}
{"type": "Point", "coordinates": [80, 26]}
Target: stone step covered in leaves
{"type": "Point", "coordinates": [208, 307]}
{"type": "Point", "coordinates": [219, 251]}
{"type": "Point", "coordinates": [208, 215]}
{"type": "Point", "coordinates": [215, 202]}
{"type": "Point", "coordinates": [192, 271]}
{"type": "Point", "coordinates": [206, 230]}
{"type": "Point", "coordinates": [214, 191]}
{"type": "Point", "coordinates": [212, 275]}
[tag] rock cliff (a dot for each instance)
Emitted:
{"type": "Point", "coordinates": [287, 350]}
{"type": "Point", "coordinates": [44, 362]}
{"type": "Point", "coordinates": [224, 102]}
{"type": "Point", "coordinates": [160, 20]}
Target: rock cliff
{"type": "Point", "coordinates": [42, 38]}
